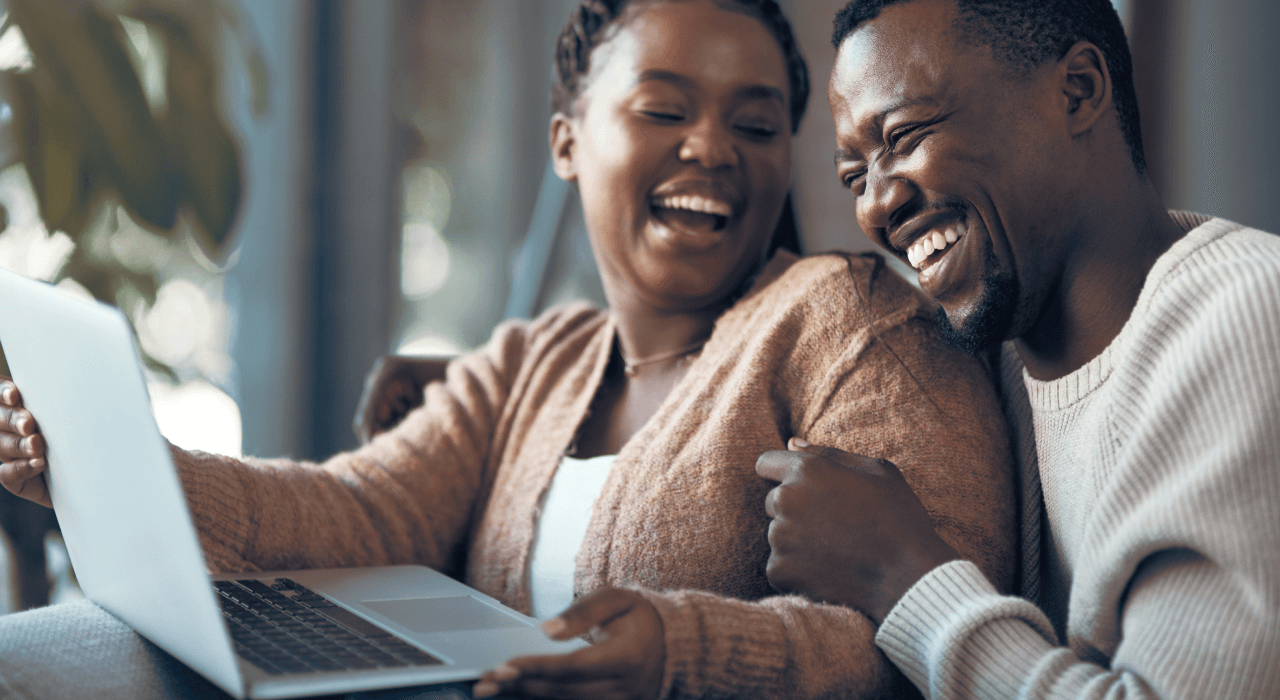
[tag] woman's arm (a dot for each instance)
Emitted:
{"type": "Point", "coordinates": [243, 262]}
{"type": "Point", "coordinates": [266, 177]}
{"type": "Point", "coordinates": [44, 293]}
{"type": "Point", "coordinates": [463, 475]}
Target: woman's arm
{"type": "Point", "coordinates": [405, 497]}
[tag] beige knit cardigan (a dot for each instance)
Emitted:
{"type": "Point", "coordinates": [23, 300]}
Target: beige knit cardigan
{"type": "Point", "coordinates": [835, 349]}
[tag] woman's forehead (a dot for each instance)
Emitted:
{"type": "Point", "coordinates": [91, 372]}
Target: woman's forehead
{"type": "Point", "coordinates": [698, 39]}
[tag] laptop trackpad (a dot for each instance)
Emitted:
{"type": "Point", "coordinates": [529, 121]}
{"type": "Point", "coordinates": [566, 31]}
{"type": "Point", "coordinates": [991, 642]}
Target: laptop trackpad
{"type": "Point", "coordinates": [451, 614]}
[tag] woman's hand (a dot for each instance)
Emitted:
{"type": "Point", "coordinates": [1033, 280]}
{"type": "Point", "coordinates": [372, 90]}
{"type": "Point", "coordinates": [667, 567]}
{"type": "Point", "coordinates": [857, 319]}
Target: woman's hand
{"type": "Point", "coordinates": [392, 389]}
{"type": "Point", "coordinates": [625, 661]}
{"type": "Point", "coordinates": [21, 448]}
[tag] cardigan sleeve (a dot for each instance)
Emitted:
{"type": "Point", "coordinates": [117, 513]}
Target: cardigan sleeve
{"type": "Point", "coordinates": [1177, 593]}
{"type": "Point", "coordinates": [895, 393]}
{"type": "Point", "coordinates": [406, 497]}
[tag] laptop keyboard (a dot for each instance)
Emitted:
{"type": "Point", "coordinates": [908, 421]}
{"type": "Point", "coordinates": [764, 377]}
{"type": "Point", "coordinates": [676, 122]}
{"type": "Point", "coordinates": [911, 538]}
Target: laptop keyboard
{"type": "Point", "coordinates": [286, 628]}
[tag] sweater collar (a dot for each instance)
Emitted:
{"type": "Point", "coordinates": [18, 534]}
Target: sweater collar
{"type": "Point", "coordinates": [1061, 393]}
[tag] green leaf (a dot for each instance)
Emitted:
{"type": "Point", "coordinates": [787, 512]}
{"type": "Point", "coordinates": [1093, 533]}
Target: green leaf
{"type": "Point", "coordinates": [82, 51]}
{"type": "Point", "coordinates": [203, 149]}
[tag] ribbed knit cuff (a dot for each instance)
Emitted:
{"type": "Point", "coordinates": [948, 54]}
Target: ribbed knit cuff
{"type": "Point", "coordinates": [698, 663]}
{"type": "Point", "coordinates": [953, 634]}
{"type": "Point", "coordinates": [219, 506]}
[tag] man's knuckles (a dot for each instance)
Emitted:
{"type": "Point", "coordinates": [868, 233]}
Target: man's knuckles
{"type": "Point", "coordinates": [786, 574]}
{"type": "Point", "coordinates": [789, 500]}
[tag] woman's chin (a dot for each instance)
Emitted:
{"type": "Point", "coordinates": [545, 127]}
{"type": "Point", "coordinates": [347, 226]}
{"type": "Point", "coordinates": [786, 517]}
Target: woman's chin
{"type": "Point", "coordinates": [687, 288]}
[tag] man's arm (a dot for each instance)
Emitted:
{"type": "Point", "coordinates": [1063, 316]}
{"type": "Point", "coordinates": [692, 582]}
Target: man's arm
{"type": "Point", "coordinates": [1189, 627]}
{"type": "Point", "coordinates": [1176, 590]}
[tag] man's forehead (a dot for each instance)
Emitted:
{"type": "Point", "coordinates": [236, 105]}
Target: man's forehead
{"type": "Point", "coordinates": [864, 87]}
{"type": "Point", "coordinates": [894, 61]}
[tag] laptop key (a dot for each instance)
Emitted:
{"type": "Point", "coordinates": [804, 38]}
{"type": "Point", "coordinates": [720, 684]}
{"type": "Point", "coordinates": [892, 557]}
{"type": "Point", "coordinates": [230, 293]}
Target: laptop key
{"type": "Point", "coordinates": [283, 635]}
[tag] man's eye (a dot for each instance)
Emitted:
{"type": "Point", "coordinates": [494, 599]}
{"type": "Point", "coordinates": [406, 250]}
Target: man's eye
{"type": "Point", "coordinates": [897, 135]}
{"type": "Point", "coordinates": [853, 180]}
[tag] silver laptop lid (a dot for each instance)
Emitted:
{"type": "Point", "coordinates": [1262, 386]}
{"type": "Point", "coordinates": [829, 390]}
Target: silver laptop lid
{"type": "Point", "coordinates": [110, 473]}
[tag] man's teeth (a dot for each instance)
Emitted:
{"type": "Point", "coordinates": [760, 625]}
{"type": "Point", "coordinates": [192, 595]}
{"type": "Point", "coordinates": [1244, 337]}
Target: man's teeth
{"type": "Point", "coordinates": [698, 203]}
{"type": "Point", "coordinates": [932, 242]}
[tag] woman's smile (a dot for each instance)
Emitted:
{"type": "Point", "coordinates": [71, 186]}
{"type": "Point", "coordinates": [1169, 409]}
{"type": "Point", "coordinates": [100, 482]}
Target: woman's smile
{"type": "Point", "coordinates": [681, 150]}
{"type": "Point", "coordinates": [694, 214]}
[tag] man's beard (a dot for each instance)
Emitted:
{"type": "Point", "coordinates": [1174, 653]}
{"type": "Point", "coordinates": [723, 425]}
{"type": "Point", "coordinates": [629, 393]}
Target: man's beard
{"type": "Point", "coordinates": [992, 317]}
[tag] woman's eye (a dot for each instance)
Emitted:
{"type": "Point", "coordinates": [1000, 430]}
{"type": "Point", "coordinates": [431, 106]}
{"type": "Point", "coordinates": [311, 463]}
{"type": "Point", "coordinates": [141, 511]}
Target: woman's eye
{"type": "Point", "coordinates": [758, 131]}
{"type": "Point", "coordinates": [663, 115]}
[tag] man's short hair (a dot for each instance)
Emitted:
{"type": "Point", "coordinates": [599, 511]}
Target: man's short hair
{"type": "Point", "coordinates": [1024, 34]}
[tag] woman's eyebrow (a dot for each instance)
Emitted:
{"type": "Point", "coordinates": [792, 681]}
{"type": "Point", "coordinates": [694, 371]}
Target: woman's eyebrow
{"type": "Point", "coordinates": [667, 76]}
{"type": "Point", "coordinates": [751, 92]}
{"type": "Point", "coordinates": [762, 92]}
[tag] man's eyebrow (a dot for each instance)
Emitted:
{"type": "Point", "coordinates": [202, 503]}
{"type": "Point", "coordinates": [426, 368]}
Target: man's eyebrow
{"type": "Point", "coordinates": [751, 92]}
{"type": "Point", "coordinates": [903, 103]}
{"type": "Point", "coordinates": [878, 122]}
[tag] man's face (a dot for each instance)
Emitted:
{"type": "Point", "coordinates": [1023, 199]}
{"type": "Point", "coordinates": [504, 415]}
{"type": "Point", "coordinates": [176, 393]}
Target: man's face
{"type": "Point", "coordinates": [952, 159]}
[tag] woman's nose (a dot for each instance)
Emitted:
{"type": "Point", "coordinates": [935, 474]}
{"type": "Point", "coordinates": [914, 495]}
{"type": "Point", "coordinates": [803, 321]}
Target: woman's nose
{"type": "Point", "coordinates": [881, 204]}
{"type": "Point", "coordinates": [708, 145]}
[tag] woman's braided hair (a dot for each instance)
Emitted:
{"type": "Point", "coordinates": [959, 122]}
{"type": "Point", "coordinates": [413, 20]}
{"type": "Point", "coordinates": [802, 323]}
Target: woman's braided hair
{"type": "Point", "coordinates": [586, 28]}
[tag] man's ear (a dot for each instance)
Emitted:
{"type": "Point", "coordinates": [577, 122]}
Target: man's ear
{"type": "Point", "coordinates": [564, 139]}
{"type": "Point", "coordinates": [1086, 86]}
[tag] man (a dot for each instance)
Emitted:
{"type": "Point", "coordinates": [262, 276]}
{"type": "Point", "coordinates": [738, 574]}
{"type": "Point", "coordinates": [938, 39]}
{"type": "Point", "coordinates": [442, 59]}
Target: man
{"type": "Point", "coordinates": [994, 145]}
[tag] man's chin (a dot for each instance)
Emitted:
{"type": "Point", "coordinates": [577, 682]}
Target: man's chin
{"type": "Point", "coordinates": [967, 338]}
{"type": "Point", "coordinates": [988, 324]}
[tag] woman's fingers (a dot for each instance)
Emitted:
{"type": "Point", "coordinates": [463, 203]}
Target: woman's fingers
{"type": "Point", "coordinates": [19, 434]}
{"type": "Point", "coordinates": [557, 675]}
{"type": "Point", "coordinates": [22, 448]}
{"type": "Point", "coordinates": [25, 479]}
{"type": "Point", "coordinates": [16, 420]}
{"type": "Point", "coordinates": [9, 394]}
{"type": "Point", "coordinates": [626, 661]}
{"type": "Point", "coordinates": [594, 610]}
{"type": "Point", "coordinates": [15, 446]}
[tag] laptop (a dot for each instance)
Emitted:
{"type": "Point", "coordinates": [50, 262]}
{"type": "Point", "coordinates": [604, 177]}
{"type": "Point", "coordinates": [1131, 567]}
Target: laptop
{"type": "Point", "coordinates": [136, 554]}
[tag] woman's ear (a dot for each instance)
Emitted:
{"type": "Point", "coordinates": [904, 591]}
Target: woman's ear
{"type": "Point", "coordinates": [564, 135]}
{"type": "Point", "coordinates": [1086, 86]}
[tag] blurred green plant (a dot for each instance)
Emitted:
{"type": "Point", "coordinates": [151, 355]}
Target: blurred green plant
{"type": "Point", "coordinates": [115, 114]}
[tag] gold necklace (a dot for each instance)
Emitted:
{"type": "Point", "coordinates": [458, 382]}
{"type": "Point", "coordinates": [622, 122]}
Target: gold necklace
{"type": "Point", "coordinates": [630, 366]}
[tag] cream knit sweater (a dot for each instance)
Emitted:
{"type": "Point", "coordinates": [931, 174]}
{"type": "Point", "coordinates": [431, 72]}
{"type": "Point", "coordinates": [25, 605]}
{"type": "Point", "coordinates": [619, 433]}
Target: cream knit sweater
{"type": "Point", "coordinates": [1155, 552]}
{"type": "Point", "coordinates": [809, 351]}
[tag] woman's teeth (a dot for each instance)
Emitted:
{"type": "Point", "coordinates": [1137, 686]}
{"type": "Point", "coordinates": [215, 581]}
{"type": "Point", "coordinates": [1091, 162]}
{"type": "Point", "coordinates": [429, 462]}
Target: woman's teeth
{"type": "Point", "coordinates": [697, 203]}
{"type": "Point", "coordinates": [932, 242]}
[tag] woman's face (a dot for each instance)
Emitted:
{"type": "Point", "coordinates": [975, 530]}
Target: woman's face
{"type": "Point", "coordinates": [681, 148]}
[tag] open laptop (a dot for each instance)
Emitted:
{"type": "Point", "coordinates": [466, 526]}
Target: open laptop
{"type": "Point", "coordinates": [136, 554]}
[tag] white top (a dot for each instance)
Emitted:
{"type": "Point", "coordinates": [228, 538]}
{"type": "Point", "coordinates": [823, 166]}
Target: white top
{"type": "Point", "coordinates": [1153, 557]}
{"type": "Point", "coordinates": [562, 524]}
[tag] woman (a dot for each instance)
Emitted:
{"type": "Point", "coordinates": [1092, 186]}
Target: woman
{"type": "Point", "coordinates": [675, 121]}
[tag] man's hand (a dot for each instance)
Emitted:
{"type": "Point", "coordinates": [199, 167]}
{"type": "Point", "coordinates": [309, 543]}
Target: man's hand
{"type": "Point", "coordinates": [392, 389]}
{"type": "Point", "coordinates": [625, 662]}
{"type": "Point", "coordinates": [846, 529]}
{"type": "Point", "coordinates": [22, 448]}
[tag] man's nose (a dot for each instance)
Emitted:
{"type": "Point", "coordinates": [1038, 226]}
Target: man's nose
{"type": "Point", "coordinates": [881, 205]}
{"type": "Point", "coordinates": [709, 145]}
